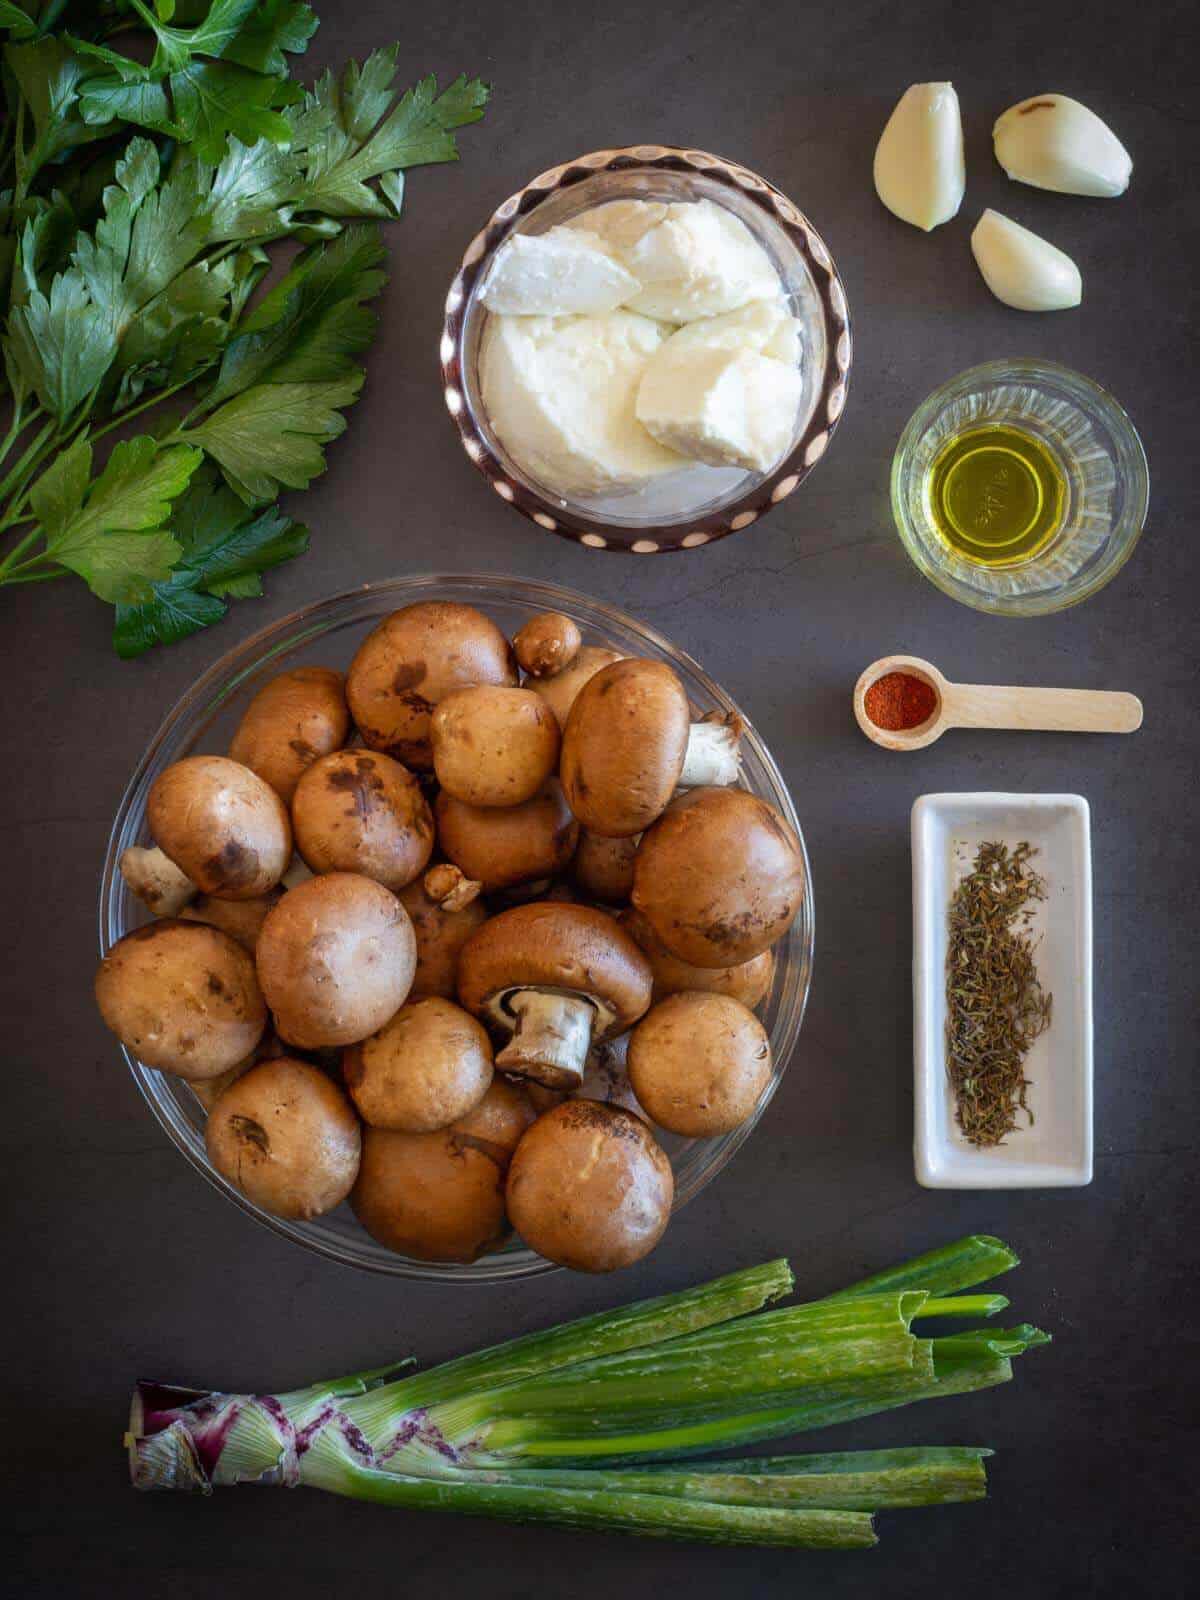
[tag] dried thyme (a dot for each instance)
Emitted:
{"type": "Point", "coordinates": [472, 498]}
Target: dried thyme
{"type": "Point", "coordinates": [995, 1004]}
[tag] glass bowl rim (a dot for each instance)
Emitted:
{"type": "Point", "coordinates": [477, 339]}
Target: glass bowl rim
{"type": "Point", "coordinates": [228, 673]}
{"type": "Point", "coordinates": [1122, 541]}
{"type": "Point", "coordinates": [766, 491]}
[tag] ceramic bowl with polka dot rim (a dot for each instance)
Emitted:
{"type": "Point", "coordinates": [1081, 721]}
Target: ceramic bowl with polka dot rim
{"type": "Point", "coordinates": [687, 510]}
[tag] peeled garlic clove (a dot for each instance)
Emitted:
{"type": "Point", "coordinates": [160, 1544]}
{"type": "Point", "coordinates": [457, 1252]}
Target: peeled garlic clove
{"type": "Point", "coordinates": [920, 174]}
{"type": "Point", "coordinates": [1022, 269]}
{"type": "Point", "coordinates": [1053, 142]}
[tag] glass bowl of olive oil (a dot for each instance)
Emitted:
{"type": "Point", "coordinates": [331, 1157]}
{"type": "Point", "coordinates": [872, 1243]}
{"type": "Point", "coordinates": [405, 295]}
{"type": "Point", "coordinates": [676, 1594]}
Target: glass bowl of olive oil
{"type": "Point", "coordinates": [1020, 487]}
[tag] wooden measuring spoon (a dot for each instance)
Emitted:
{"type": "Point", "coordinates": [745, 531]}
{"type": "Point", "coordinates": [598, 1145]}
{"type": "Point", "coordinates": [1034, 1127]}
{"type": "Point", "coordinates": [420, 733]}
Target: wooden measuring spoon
{"type": "Point", "coordinates": [985, 705]}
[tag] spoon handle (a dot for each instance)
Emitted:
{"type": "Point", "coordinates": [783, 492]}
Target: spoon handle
{"type": "Point", "coordinates": [980, 705]}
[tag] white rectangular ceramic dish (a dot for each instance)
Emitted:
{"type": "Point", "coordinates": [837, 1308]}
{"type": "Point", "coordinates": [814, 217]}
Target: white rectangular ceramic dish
{"type": "Point", "coordinates": [1056, 1151]}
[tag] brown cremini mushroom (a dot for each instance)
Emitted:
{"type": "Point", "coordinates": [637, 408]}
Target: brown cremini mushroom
{"type": "Point", "coordinates": [492, 745]}
{"type": "Point", "coordinates": [209, 1090]}
{"type": "Point", "coordinates": [630, 743]}
{"type": "Point", "coordinates": [240, 919]}
{"type": "Point", "coordinates": [287, 1138]}
{"type": "Point", "coordinates": [590, 1188]}
{"type": "Point", "coordinates": [500, 846]}
{"type": "Point", "coordinates": [719, 877]}
{"type": "Point", "coordinates": [440, 1196]}
{"type": "Point", "coordinates": [335, 959]}
{"type": "Point", "coordinates": [425, 1068]}
{"type": "Point", "coordinates": [698, 1064]}
{"type": "Point", "coordinates": [182, 997]}
{"type": "Point", "coordinates": [221, 825]}
{"type": "Point", "coordinates": [548, 643]}
{"type": "Point", "coordinates": [360, 811]}
{"type": "Point", "coordinates": [560, 690]}
{"type": "Point", "coordinates": [445, 909]}
{"type": "Point", "coordinates": [603, 868]}
{"type": "Point", "coordinates": [294, 719]}
{"type": "Point", "coordinates": [749, 982]}
{"type": "Point", "coordinates": [410, 661]}
{"type": "Point", "coordinates": [556, 978]}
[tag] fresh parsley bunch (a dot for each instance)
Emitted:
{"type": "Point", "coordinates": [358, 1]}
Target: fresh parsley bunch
{"type": "Point", "coordinates": [149, 155]}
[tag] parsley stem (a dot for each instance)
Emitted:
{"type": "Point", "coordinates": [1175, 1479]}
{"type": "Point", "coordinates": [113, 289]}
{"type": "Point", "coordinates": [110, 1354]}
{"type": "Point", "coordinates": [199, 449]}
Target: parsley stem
{"type": "Point", "coordinates": [19, 423]}
{"type": "Point", "coordinates": [33, 577]}
{"type": "Point", "coordinates": [12, 562]}
{"type": "Point", "coordinates": [154, 400]}
{"type": "Point", "coordinates": [16, 479]}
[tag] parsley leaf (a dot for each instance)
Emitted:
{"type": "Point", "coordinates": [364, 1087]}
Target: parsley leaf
{"type": "Point", "coordinates": [351, 132]}
{"type": "Point", "coordinates": [213, 99]}
{"type": "Point", "coordinates": [212, 37]}
{"type": "Point", "coordinates": [18, 22]}
{"type": "Point", "coordinates": [314, 321]}
{"type": "Point", "coordinates": [225, 549]}
{"type": "Point", "coordinates": [275, 27]}
{"type": "Point", "coordinates": [148, 234]}
{"type": "Point", "coordinates": [100, 532]}
{"type": "Point", "coordinates": [61, 351]}
{"type": "Point", "coordinates": [271, 436]}
{"type": "Point", "coordinates": [48, 73]}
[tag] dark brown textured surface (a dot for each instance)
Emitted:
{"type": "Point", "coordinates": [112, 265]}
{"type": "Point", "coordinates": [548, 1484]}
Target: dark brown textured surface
{"type": "Point", "coordinates": [122, 1263]}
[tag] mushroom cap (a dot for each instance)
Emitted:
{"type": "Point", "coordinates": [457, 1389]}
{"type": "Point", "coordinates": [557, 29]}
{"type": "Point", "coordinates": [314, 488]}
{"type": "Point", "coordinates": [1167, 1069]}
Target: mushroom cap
{"type": "Point", "coordinates": [504, 845]}
{"type": "Point", "coordinates": [750, 981]}
{"type": "Point", "coordinates": [287, 1138]}
{"type": "Point", "coordinates": [623, 746]}
{"type": "Point", "coordinates": [240, 919]}
{"type": "Point", "coordinates": [440, 935]}
{"type": "Point", "coordinates": [566, 948]}
{"type": "Point", "coordinates": [294, 718]}
{"type": "Point", "coordinates": [719, 877]}
{"type": "Point", "coordinates": [590, 1187]}
{"type": "Point", "coordinates": [560, 690]}
{"type": "Point", "coordinates": [360, 811]}
{"type": "Point", "coordinates": [603, 868]}
{"type": "Point", "coordinates": [335, 959]}
{"type": "Point", "coordinates": [548, 643]}
{"type": "Point", "coordinates": [413, 658]}
{"type": "Point", "coordinates": [182, 997]}
{"type": "Point", "coordinates": [425, 1068]}
{"type": "Point", "coordinates": [493, 745]}
{"type": "Point", "coordinates": [698, 1063]}
{"type": "Point", "coordinates": [222, 825]}
{"type": "Point", "coordinates": [440, 1196]}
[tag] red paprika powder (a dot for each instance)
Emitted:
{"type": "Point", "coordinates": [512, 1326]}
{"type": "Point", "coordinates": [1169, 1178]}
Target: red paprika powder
{"type": "Point", "coordinates": [898, 700]}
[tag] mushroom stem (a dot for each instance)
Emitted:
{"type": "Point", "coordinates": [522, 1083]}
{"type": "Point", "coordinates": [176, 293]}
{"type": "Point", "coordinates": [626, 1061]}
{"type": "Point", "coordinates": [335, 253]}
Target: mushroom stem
{"type": "Point", "coordinates": [551, 1040]}
{"type": "Point", "coordinates": [158, 883]}
{"type": "Point", "coordinates": [450, 888]}
{"type": "Point", "coordinates": [713, 754]}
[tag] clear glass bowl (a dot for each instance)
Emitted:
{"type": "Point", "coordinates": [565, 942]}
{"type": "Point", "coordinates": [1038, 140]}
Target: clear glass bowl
{"type": "Point", "coordinates": [328, 633]}
{"type": "Point", "coordinates": [1096, 447]}
{"type": "Point", "coordinates": [697, 505]}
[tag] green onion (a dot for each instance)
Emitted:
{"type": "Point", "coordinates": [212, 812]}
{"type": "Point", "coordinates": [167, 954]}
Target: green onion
{"type": "Point", "coordinates": [590, 1424]}
{"type": "Point", "coordinates": [960, 1265]}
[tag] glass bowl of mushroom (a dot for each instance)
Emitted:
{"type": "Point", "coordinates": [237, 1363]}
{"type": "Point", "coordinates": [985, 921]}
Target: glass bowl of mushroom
{"type": "Point", "coordinates": [328, 634]}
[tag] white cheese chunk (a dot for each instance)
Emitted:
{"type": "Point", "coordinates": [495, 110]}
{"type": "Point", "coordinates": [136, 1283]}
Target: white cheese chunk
{"type": "Point", "coordinates": [561, 272]}
{"type": "Point", "coordinates": [724, 407]}
{"type": "Point", "coordinates": [766, 327]}
{"type": "Point", "coordinates": [620, 223]}
{"type": "Point", "coordinates": [561, 395]}
{"type": "Point", "coordinates": [699, 261]}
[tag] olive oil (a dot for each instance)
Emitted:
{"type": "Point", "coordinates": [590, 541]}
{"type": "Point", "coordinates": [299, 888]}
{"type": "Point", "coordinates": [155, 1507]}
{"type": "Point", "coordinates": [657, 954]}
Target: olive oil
{"type": "Point", "coordinates": [996, 495]}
